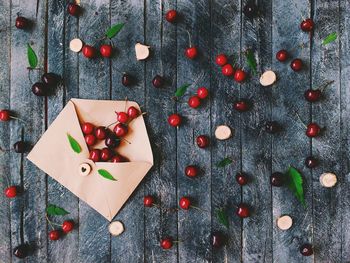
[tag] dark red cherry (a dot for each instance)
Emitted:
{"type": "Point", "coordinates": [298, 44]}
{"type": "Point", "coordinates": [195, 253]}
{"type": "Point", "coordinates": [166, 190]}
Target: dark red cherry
{"type": "Point", "coordinates": [171, 16]}
{"type": "Point", "coordinates": [21, 251]}
{"type": "Point", "coordinates": [174, 120]}
{"type": "Point", "coordinates": [20, 147]}
{"type": "Point", "coordinates": [202, 141]}
{"type": "Point", "coordinates": [277, 179]}
{"type": "Point", "coordinates": [148, 201]}
{"type": "Point", "coordinates": [166, 243]}
{"type": "Point", "coordinates": [241, 178]}
{"type": "Point", "coordinates": [74, 9]}
{"type": "Point", "coordinates": [158, 81]}
{"type": "Point", "coordinates": [122, 117]}
{"type": "Point", "coordinates": [95, 155]}
{"type": "Point", "coordinates": [241, 105]}
{"type": "Point", "coordinates": [106, 154]}
{"type": "Point", "coordinates": [54, 235]}
{"type": "Point", "coordinates": [306, 250]}
{"type": "Point", "coordinates": [40, 89]}
{"type": "Point", "coordinates": [296, 64]}
{"type": "Point", "coordinates": [112, 141]}
{"type": "Point", "coordinates": [133, 113]}
{"type": "Point", "coordinates": [217, 240]}
{"type": "Point", "coordinates": [251, 10]}
{"type": "Point", "coordinates": [307, 25]}
{"type": "Point", "coordinates": [313, 130]}
{"type": "Point", "coordinates": [90, 139]}
{"type": "Point", "coordinates": [50, 79]}
{"type": "Point", "coordinates": [22, 22]}
{"type": "Point", "coordinates": [194, 102]}
{"type": "Point", "coordinates": [101, 133]}
{"type": "Point", "coordinates": [312, 95]}
{"type": "Point", "coordinates": [185, 203]}
{"type": "Point", "coordinates": [311, 162]}
{"type": "Point", "coordinates": [272, 127]}
{"type": "Point", "coordinates": [191, 171]}
{"type": "Point", "coordinates": [243, 210]}
{"type": "Point", "coordinates": [87, 128]}
{"type": "Point", "coordinates": [127, 80]}
{"type": "Point", "coordinates": [118, 159]}
{"type": "Point", "coordinates": [282, 55]}
{"type": "Point", "coordinates": [120, 130]}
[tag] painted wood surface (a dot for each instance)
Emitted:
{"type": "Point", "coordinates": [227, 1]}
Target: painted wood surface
{"type": "Point", "coordinates": [215, 26]}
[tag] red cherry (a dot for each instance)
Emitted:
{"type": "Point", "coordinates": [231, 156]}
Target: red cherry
{"type": "Point", "coordinates": [74, 9]}
{"type": "Point", "coordinates": [54, 235]}
{"type": "Point", "coordinates": [122, 117]}
{"type": "Point", "coordinates": [191, 52]}
{"type": "Point", "coordinates": [67, 226]}
{"type": "Point", "coordinates": [133, 113]}
{"type": "Point", "coordinates": [174, 120]}
{"type": "Point", "coordinates": [148, 201]}
{"type": "Point", "coordinates": [87, 128]}
{"type": "Point", "coordinates": [120, 130]}
{"type": "Point", "coordinates": [185, 203]}
{"type": "Point", "coordinates": [306, 250]}
{"type": "Point", "coordinates": [312, 95]}
{"type": "Point", "coordinates": [166, 243]}
{"type": "Point", "coordinates": [101, 133]}
{"type": "Point", "coordinates": [241, 178]}
{"type": "Point", "coordinates": [11, 191]}
{"type": "Point", "coordinates": [307, 25]}
{"type": "Point", "coordinates": [221, 60]}
{"type": "Point", "coordinates": [106, 154]}
{"type": "Point", "coordinates": [227, 70]}
{"type": "Point", "coordinates": [118, 159]}
{"type": "Point", "coordinates": [5, 115]}
{"type": "Point", "coordinates": [202, 141]}
{"type": "Point", "coordinates": [239, 75]}
{"type": "Point", "coordinates": [22, 22]}
{"type": "Point", "coordinates": [282, 55]}
{"type": "Point", "coordinates": [313, 130]}
{"type": "Point", "coordinates": [194, 102]}
{"type": "Point", "coordinates": [171, 16]}
{"type": "Point", "coordinates": [242, 211]}
{"type": "Point", "coordinates": [202, 92]}
{"type": "Point", "coordinates": [90, 139]}
{"type": "Point", "coordinates": [89, 51]}
{"type": "Point", "coordinates": [296, 64]}
{"type": "Point", "coordinates": [95, 155]}
{"type": "Point", "coordinates": [241, 106]}
{"type": "Point", "coordinates": [106, 51]}
{"type": "Point", "coordinates": [191, 171]}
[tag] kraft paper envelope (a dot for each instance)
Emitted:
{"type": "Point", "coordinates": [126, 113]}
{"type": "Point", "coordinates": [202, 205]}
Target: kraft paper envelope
{"type": "Point", "coordinates": [54, 155]}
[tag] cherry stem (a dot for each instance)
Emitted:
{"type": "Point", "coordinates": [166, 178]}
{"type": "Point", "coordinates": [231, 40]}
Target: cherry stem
{"type": "Point", "coordinates": [325, 85]}
{"type": "Point", "coordinates": [111, 124]}
{"type": "Point", "coordinates": [177, 241]}
{"type": "Point", "coordinates": [50, 223]}
{"type": "Point", "coordinates": [156, 205]}
{"type": "Point", "coordinates": [301, 120]}
{"type": "Point", "coordinates": [189, 38]}
{"type": "Point", "coordinates": [126, 101]}
{"type": "Point", "coordinates": [123, 139]}
{"type": "Point", "coordinates": [195, 207]}
{"type": "Point", "coordinates": [15, 118]}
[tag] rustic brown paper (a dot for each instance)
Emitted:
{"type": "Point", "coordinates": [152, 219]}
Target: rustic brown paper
{"type": "Point", "coordinates": [54, 155]}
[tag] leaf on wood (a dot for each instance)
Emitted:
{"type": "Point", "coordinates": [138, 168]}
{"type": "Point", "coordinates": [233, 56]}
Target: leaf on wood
{"type": "Point", "coordinates": [181, 91]}
{"type": "Point", "coordinates": [74, 144]}
{"type": "Point", "coordinates": [295, 184]}
{"type": "Point", "coordinates": [54, 210]}
{"type": "Point", "coordinates": [249, 54]}
{"type": "Point", "coordinates": [330, 38]}
{"type": "Point", "coordinates": [222, 217]}
{"type": "Point", "coordinates": [114, 30]}
{"type": "Point", "coordinates": [224, 162]}
{"type": "Point", "coordinates": [104, 173]}
{"type": "Point", "coordinates": [32, 57]}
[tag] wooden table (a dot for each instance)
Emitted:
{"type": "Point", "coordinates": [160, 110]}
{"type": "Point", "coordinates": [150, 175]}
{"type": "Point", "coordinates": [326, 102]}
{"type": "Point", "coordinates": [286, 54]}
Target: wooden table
{"type": "Point", "coordinates": [215, 27]}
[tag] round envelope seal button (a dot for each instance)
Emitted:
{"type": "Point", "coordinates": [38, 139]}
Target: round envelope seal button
{"type": "Point", "coordinates": [84, 169]}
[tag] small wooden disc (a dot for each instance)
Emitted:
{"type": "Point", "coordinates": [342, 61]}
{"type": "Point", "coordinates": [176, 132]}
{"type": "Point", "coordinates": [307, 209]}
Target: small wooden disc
{"type": "Point", "coordinates": [142, 51]}
{"type": "Point", "coordinates": [284, 222]}
{"type": "Point", "coordinates": [268, 78]}
{"type": "Point", "coordinates": [76, 45]}
{"type": "Point", "coordinates": [328, 179]}
{"type": "Point", "coordinates": [116, 228]}
{"type": "Point", "coordinates": [223, 132]}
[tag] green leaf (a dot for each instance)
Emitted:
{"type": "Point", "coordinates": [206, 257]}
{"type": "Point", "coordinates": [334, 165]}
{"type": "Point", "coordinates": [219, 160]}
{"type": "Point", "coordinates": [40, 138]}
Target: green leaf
{"type": "Point", "coordinates": [222, 217]}
{"type": "Point", "coordinates": [54, 210]}
{"type": "Point", "coordinates": [114, 30]}
{"type": "Point", "coordinates": [295, 184]}
{"type": "Point", "coordinates": [181, 91]}
{"type": "Point", "coordinates": [104, 173]}
{"type": "Point", "coordinates": [330, 38]}
{"type": "Point", "coordinates": [251, 60]}
{"type": "Point", "coordinates": [32, 58]}
{"type": "Point", "coordinates": [74, 144]}
{"type": "Point", "coordinates": [224, 162]}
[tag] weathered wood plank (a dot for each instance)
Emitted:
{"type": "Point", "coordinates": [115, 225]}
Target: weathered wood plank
{"type": "Point", "coordinates": [226, 193]}
{"type": "Point", "coordinates": [129, 247]}
{"type": "Point", "coordinates": [344, 56]}
{"type": "Point", "coordinates": [194, 225]}
{"type": "Point", "coordinates": [291, 146]}
{"type": "Point", "coordinates": [28, 223]}
{"type": "Point", "coordinates": [161, 182]}
{"type": "Point", "coordinates": [61, 29]}
{"type": "Point", "coordinates": [327, 214]}
{"type": "Point", "coordinates": [94, 83]}
{"type": "Point", "coordinates": [255, 142]}
{"type": "Point", "coordinates": [5, 212]}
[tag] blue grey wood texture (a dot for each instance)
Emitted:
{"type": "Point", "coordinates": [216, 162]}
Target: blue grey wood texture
{"type": "Point", "coordinates": [215, 26]}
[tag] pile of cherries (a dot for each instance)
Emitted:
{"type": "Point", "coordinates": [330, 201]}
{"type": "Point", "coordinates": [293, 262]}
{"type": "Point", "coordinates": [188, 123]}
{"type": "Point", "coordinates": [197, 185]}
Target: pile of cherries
{"type": "Point", "coordinates": [228, 70]}
{"type": "Point", "coordinates": [66, 227]}
{"type": "Point", "coordinates": [48, 82]}
{"type": "Point", "coordinates": [112, 139]}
